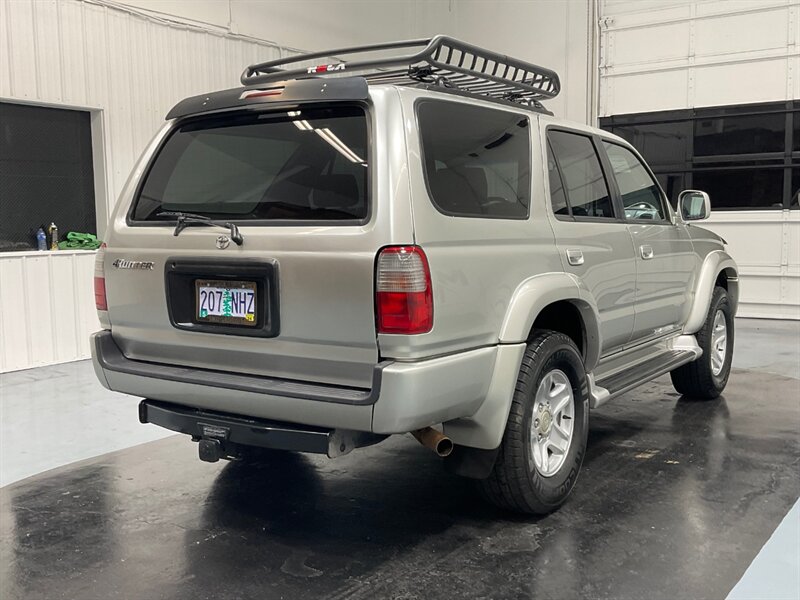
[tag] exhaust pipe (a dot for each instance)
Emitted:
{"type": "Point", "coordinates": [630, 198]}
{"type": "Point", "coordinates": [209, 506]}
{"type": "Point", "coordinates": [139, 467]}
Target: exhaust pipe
{"type": "Point", "coordinates": [435, 440]}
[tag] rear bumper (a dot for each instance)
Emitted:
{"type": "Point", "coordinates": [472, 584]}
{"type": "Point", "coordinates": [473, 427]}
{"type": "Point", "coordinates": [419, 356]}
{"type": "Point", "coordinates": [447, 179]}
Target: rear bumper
{"type": "Point", "coordinates": [403, 396]}
{"type": "Point", "coordinates": [230, 432]}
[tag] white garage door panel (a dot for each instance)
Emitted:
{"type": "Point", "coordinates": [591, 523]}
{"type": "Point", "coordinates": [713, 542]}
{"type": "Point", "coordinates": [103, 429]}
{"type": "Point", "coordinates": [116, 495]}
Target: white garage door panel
{"type": "Point", "coordinates": [752, 242]}
{"type": "Point", "coordinates": [756, 81]}
{"type": "Point", "coordinates": [751, 31]}
{"type": "Point", "coordinates": [759, 289]}
{"type": "Point", "coordinates": [704, 8]}
{"type": "Point", "coordinates": [633, 12]}
{"type": "Point", "coordinates": [766, 246]}
{"type": "Point", "coordinates": [647, 92]}
{"type": "Point", "coordinates": [794, 65]}
{"type": "Point", "coordinates": [633, 46]}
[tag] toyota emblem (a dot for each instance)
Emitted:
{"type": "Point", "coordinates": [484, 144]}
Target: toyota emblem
{"type": "Point", "coordinates": [223, 242]}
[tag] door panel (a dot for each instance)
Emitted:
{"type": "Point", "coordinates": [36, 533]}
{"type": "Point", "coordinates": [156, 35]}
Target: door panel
{"type": "Point", "coordinates": [608, 271]}
{"type": "Point", "coordinates": [593, 243]}
{"type": "Point", "coordinates": [664, 280]}
{"type": "Point", "coordinates": [664, 252]}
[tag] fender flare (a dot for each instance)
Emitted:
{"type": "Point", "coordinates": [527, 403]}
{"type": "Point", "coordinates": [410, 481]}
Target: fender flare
{"type": "Point", "coordinates": [714, 263]}
{"type": "Point", "coordinates": [539, 291]}
{"type": "Point", "coordinates": [484, 429]}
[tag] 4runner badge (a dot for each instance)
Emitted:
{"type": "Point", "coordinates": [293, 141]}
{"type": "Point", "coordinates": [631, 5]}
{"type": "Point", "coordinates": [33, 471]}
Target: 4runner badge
{"type": "Point", "coordinates": [223, 242]}
{"type": "Point", "coordinates": [124, 263]}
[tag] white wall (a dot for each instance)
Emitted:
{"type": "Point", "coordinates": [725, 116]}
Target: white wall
{"type": "Point", "coordinates": [47, 308]}
{"type": "Point", "coordinates": [129, 67]}
{"type": "Point", "coordinates": [677, 54]}
{"type": "Point", "coordinates": [552, 33]}
{"type": "Point", "coordinates": [314, 24]}
{"type": "Point", "coordinates": [129, 61]}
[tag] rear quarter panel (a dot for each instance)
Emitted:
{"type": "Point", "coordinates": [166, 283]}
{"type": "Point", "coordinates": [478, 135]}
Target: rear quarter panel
{"type": "Point", "coordinates": [476, 264]}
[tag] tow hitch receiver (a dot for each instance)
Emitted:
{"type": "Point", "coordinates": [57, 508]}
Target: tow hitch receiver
{"type": "Point", "coordinates": [210, 450]}
{"type": "Point", "coordinates": [222, 435]}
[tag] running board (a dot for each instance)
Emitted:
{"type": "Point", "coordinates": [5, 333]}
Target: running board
{"type": "Point", "coordinates": [624, 381]}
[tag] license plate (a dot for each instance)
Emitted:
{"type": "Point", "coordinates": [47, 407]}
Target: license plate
{"type": "Point", "coordinates": [226, 302]}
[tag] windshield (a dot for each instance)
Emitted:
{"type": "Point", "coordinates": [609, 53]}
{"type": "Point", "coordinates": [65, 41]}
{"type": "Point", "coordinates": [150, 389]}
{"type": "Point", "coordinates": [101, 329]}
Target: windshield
{"type": "Point", "coordinates": [307, 165]}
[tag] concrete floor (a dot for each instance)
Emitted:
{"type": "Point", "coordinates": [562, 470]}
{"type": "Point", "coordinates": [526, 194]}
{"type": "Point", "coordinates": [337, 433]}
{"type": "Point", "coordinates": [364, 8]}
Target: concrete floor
{"type": "Point", "coordinates": [675, 501]}
{"type": "Point", "coordinates": [54, 416]}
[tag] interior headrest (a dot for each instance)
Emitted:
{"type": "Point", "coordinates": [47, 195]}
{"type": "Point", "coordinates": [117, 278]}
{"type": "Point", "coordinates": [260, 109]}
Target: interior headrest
{"type": "Point", "coordinates": [453, 193]}
{"type": "Point", "coordinates": [476, 179]}
{"type": "Point", "coordinates": [335, 191]}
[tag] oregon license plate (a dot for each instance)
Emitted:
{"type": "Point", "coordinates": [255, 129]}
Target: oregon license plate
{"type": "Point", "coordinates": [225, 302]}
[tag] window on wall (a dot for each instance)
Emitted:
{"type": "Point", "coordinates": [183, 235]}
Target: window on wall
{"type": "Point", "coordinates": [46, 173]}
{"type": "Point", "coordinates": [745, 157]}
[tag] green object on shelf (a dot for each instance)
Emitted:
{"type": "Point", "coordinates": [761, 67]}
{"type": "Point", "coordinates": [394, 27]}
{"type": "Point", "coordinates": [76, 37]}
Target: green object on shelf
{"type": "Point", "coordinates": [79, 241]}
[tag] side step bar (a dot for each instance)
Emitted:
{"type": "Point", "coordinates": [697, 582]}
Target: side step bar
{"type": "Point", "coordinates": [222, 435]}
{"type": "Point", "coordinates": [624, 381]}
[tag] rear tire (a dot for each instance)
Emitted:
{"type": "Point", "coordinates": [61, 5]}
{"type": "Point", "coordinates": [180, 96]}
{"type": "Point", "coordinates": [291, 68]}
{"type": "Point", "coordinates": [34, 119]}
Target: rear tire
{"type": "Point", "coordinates": [545, 438]}
{"type": "Point", "coordinates": [706, 377]}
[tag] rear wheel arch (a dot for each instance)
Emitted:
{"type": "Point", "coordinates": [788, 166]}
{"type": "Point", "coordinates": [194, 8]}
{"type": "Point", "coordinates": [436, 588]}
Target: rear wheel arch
{"type": "Point", "coordinates": [565, 317]}
{"type": "Point", "coordinates": [554, 301]}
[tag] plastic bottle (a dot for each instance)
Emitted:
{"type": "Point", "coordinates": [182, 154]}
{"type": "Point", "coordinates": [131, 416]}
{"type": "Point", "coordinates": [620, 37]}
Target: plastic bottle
{"type": "Point", "coordinates": [53, 231]}
{"type": "Point", "coordinates": [41, 240]}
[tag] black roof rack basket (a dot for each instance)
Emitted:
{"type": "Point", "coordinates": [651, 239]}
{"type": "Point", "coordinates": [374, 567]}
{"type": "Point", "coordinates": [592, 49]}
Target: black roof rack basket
{"type": "Point", "coordinates": [441, 60]}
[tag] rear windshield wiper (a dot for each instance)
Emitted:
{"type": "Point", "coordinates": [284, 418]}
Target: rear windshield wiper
{"type": "Point", "coordinates": [186, 219]}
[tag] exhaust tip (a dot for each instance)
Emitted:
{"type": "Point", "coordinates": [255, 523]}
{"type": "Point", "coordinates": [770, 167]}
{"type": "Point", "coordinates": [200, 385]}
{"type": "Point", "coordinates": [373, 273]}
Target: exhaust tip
{"type": "Point", "coordinates": [434, 440]}
{"type": "Point", "coordinates": [444, 447]}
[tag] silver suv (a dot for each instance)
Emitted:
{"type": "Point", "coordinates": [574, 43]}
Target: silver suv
{"type": "Point", "coordinates": [318, 260]}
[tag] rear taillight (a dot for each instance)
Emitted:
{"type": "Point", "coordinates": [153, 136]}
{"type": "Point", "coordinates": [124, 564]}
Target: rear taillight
{"type": "Point", "coordinates": [100, 279]}
{"type": "Point", "coordinates": [404, 299]}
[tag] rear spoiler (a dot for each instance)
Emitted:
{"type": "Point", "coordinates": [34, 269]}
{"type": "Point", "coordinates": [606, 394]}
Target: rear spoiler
{"type": "Point", "coordinates": [281, 93]}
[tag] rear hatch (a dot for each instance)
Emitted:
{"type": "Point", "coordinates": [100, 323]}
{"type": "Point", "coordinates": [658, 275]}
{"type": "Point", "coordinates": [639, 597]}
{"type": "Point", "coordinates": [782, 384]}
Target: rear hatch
{"type": "Point", "coordinates": [296, 298]}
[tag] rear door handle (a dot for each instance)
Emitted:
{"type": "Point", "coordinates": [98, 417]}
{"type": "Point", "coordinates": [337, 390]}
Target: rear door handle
{"type": "Point", "coordinates": [647, 252]}
{"type": "Point", "coordinates": [574, 257]}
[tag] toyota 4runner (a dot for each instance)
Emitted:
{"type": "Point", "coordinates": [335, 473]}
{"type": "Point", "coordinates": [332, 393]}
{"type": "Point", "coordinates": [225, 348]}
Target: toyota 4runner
{"type": "Point", "coordinates": [404, 243]}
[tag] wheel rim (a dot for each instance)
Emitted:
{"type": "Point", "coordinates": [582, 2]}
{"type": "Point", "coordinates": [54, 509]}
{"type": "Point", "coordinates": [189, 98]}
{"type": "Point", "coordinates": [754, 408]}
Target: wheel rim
{"type": "Point", "coordinates": [719, 343]}
{"type": "Point", "coordinates": [552, 422]}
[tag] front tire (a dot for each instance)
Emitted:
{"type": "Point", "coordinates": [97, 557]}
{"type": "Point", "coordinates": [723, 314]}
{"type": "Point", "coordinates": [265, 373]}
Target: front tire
{"type": "Point", "coordinates": [547, 428]}
{"type": "Point", "coordinates": [706, 377]}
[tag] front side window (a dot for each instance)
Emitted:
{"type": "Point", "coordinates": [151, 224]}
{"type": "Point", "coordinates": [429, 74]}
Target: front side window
{"type": "Point", "coordinates": [307, 165]}
{"type": "Point", "coordinates": [587, 191]}
{"type": "Point", "coordinates": [641, 198]}
{"type": "Point", "coordinates": [477, 160]}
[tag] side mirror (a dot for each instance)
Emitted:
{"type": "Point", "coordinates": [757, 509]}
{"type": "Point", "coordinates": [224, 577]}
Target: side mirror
{"type": "Point", "coordinates": [694, 205]}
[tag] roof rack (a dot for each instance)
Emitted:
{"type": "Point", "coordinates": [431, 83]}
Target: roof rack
{"type": "Point", "coordinates": [442, 61]}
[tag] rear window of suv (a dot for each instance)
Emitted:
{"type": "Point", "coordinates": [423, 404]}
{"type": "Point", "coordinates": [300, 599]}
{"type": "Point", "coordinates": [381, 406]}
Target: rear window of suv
{"type": "Point", "coordinates": [300, 165]}
{"type": "Point", "coordinates": [476, 159]}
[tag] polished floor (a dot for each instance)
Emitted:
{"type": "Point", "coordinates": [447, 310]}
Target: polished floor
{"type": "Point", "coordinates": [676, 500]}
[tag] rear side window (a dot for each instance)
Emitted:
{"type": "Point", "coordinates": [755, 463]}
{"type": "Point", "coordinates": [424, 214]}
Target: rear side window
{"type": "Point", "coordinates": [579, 165]}
{"type": "Point", "coordinates": [641, 197]}
{"type": "Point", "coordinates": [558, 198]}
{"type": "Point", "coordinates": [302, 165]}
{"type": "Point", "coordinates": [476, 159]}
